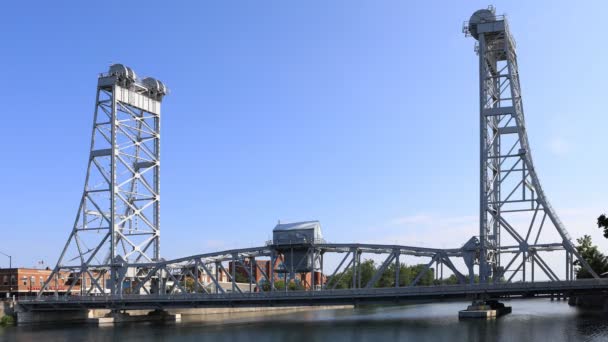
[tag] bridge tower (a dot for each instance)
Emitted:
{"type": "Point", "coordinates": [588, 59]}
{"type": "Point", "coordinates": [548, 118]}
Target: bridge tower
{"type": "Point", "coordinates": [117, 227]}
{"type": "Point", "coordinates": [512, 200]}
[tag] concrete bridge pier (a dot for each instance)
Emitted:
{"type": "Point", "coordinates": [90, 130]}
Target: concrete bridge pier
{"type": "Point", "coordinates": [116, 316]}
{"type": "Point", "coordinates": [25, 317]}
{"type": "Point", "coordinates": [484, 309]}
{"type": "Point", "coordinates": [98, 317]}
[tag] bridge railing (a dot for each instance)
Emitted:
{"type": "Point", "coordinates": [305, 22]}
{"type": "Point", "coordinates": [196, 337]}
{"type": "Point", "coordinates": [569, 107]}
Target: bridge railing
{"type": "Point", "coordinates": [443, 290]}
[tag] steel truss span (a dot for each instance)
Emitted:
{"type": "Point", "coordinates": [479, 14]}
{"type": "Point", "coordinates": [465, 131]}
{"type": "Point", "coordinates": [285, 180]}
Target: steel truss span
{"type": "Point", "coordinates": [206, 281]}
{"type": "Point", "coordinates": [113, 251]}
{"type": "Point", "coordinates": [418, 294]}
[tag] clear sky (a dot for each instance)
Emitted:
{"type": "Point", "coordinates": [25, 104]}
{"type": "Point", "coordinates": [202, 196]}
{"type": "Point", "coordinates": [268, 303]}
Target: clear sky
{"type": "Point", "coordinates": [361, 114]}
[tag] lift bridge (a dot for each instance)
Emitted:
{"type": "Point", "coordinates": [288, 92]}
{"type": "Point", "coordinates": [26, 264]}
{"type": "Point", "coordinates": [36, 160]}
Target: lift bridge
{"type": "Point", "coordinates": [113, 251]}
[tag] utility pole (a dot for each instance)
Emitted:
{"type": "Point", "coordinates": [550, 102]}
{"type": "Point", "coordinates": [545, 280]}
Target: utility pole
{"type": "Point", "coordinates": [10, 273]}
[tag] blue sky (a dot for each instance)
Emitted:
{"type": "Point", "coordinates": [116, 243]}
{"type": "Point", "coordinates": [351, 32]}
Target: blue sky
{"type": "Point", "coordinates": [363, 115]}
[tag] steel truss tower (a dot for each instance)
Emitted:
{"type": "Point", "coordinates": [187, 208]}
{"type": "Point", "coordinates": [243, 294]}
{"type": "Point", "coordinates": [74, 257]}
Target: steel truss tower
{"type": "Point", "coordinates": [117, 226]}
{"type": "Point", "coordinates": [511, 197]}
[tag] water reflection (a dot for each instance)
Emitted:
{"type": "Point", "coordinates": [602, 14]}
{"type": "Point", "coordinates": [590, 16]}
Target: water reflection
{"type": "Point", "coordinates": [531, 320]}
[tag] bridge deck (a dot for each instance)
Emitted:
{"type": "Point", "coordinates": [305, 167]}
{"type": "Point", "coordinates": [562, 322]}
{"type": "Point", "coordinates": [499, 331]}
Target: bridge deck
{"type": "Point", "coordinates": [314, 298]}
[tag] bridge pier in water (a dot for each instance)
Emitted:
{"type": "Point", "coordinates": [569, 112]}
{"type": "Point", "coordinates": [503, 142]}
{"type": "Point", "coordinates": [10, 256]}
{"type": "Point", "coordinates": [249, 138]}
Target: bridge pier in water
{"type": "Point", "coordinates": [110, 317]}
{"type": "Point", "coordinates": [484, 309]}
{"type": "Point", "coordinates": [33, 317]}
{"type": "Point", "coordinates": [94, 316]}
{"type": "Point", "coordinates": [117, 316]}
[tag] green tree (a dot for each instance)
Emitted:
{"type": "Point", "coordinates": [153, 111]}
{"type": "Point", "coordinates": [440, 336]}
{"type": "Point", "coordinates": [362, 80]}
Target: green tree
{"type": "Point", "coordinates": [279, 284]}
{"type": "Point", "coordinates": [427, 278]}
{"type": "Point", "coordinates": [240, 277]}
{"type": "Point", "coordinates": [387, 279]}
{"type": "Point", "coordinates": [6, 320]}
{"type": "Point", "coordinates": [602, 222]}
{"type": "Point", "coordinates": [295, 286]}
{"type": "Point", "coordinates": [407, 274]}
{"type": "Point", "coordinates": [367, 269]}
{"type": "Point", "coordinates": [189, 285]}
{"type": "Point", "coordinates": [344, 279]}
{"type": "Point", "coordinates": [451, 280]}
{"type": "Point", "coordinates": [596, 260]}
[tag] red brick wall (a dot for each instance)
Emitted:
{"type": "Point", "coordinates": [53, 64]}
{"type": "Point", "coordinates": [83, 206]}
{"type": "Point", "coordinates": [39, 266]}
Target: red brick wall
{"type": "Point", "coordinates": [32, 280]}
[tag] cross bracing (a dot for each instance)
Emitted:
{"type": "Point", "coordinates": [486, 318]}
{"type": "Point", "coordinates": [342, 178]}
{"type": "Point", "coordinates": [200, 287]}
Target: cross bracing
{"type": "Point", "coordinates": [514, 209]}
{"type": "Point", "coordinates": [118, 220]}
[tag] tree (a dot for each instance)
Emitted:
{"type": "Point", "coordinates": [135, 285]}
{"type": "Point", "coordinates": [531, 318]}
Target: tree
{"type": "Point", "coordinates": [428, 276]}
{"type": "Point", "coordinates": [279, 285]}
{"type": "Point", "coordinates": [240, 277]}
{"type": "Point", "coordinates": [596, 260]}
{"type": "Point", "coordinates": [367, 269]}
{"type": "Point", "coordinates": [388, 277]}
{"type": "Point", "coordinates": [451, 280]}
{"type": "Point", "coordinates": [295, 286]}
{"type": "Point", "coordinates": [189, 285]}
{"type": "Point", "coordinates": [602, 222]}
{"type": "Point", "coordinates": [343, 280]}
{"type": "Point", "coordinates": [407, 274]}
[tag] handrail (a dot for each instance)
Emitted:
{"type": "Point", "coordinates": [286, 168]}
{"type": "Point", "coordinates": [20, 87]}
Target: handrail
{"type": "Point", "coordinates": [601, 283]}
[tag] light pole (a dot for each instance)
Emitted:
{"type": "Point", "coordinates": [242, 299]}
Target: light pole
{"type": "Point", "coordinates": [10, 273]}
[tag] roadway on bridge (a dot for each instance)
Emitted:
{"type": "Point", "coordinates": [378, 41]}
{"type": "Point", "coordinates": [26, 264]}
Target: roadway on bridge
{"type": "Point", "coordinates": [321, 297]}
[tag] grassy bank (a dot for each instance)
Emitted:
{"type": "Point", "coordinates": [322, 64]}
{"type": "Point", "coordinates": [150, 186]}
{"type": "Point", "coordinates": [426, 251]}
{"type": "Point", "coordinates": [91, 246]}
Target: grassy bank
{"type": "Point", "coordinates": [7, 320]}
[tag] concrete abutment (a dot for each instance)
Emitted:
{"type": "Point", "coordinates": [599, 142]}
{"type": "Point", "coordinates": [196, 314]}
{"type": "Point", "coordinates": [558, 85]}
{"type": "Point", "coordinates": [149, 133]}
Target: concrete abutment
{"type": "Point", "coordinates": [108, 317]}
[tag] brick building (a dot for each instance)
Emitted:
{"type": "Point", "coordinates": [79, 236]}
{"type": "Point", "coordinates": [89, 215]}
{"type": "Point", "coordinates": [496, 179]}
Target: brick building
{"type": "Point", "coordinates": [307, 280]}
{"type": "Point", "coordinates": [29, 281]}
{"type": "Point", "coordinates": [256, 270]}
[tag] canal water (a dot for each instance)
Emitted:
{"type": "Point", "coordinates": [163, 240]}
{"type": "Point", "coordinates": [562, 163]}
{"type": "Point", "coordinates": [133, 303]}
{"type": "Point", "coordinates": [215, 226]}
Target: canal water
{"type": "Point", "coordinates": [531, 320]}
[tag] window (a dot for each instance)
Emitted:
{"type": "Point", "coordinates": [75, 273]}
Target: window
{"type": "Point", "coordinates": [5, 280]}
{"type": "Point", "coordinates": [41, 281]}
